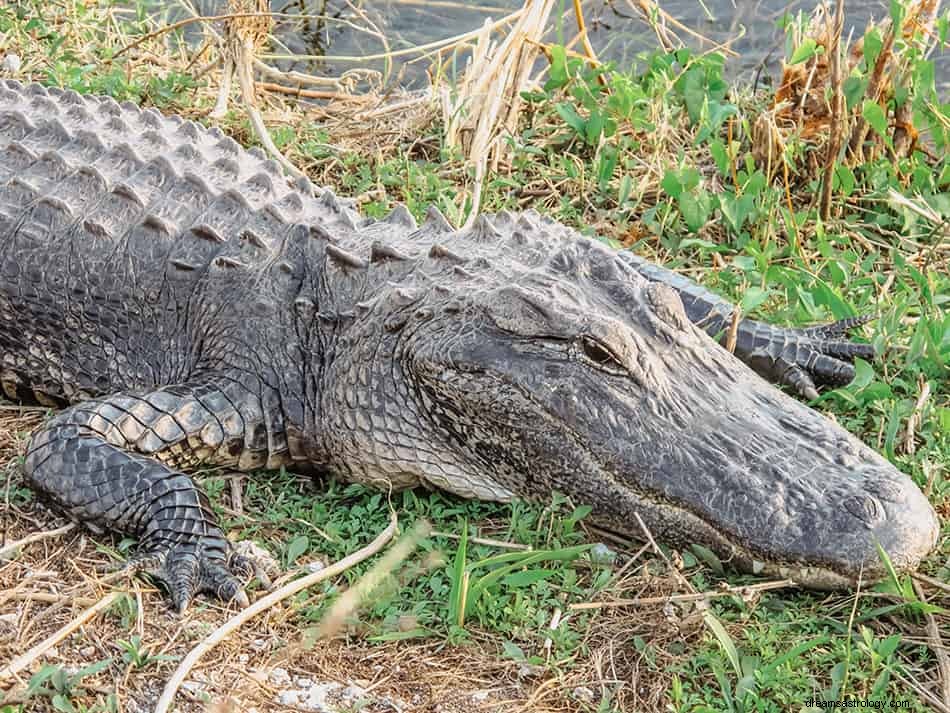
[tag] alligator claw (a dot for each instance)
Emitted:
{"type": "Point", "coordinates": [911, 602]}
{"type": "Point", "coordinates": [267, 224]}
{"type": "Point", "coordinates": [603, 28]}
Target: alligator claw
{"type": "Point", "coordinates": [188, 568]}
{"type": "Point", "coordinates": [803, 359]}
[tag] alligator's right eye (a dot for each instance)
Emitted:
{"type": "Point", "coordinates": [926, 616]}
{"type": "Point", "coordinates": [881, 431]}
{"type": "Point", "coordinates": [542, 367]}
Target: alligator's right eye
{"type": "Point", "coordinates": [598, 353]}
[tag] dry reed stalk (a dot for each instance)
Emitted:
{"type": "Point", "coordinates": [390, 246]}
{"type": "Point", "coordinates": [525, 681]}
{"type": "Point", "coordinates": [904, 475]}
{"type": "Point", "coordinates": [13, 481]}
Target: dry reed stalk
{"type": "Point", "coordinates": [486, 104]}
{"type": "Point", "coordinates": [35, 537]}
{"type": "Point", "coordinates": [22, 662]}
{"type": "Point", "coordinates": [837, 111]}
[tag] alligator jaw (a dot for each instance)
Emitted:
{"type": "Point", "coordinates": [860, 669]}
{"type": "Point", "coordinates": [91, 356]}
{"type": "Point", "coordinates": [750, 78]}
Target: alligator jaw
{"type": "Point", "coordinates": [772, 486]}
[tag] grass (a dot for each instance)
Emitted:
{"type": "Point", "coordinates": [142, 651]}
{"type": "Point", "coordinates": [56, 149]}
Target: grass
{"type": "Point", "coordinates": [660, 158]}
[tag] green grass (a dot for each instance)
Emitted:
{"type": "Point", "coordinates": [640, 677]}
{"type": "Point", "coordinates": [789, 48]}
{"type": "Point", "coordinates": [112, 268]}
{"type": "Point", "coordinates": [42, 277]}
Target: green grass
{"type": "Point", "coordinates": [660, 160]}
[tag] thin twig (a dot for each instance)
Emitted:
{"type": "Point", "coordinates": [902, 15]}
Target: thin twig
{"type": "Point", "coordinates": [50, 598]}
{"type": "Point", "coordinates": [36, 537]}
{"type": "Point", "coordinates": [347, 602]}
{"type": "Point", "coordinates": [22, 662]}
{"type": "Point", "coordinates": [697, 596]}
{"type": "Point", "coordinates": [309, 93]}
{"type": "Point", "coordinates": [662, 554]}
{"type": "Point", "coordinates": [262, 605]}
{"type": "Point", "coordinates": [910, 445]}
{"type": "Point", "coordinates": [932, 581]}
{"type": "Point", "coordinates": [486, 541]}
{"type": "Point", "coordinates": [733, 334]}
{"type": "Point", "coordinates": [837, 113]}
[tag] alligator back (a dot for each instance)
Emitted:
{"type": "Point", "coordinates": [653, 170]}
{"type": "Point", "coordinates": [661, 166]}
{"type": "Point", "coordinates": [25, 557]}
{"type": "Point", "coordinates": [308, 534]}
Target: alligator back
{"type": "Point", "coordinates": [110, 217]}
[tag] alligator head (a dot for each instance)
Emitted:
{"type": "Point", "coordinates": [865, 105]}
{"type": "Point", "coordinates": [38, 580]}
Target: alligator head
{"type": "Point", "coordinates": [573, 374]}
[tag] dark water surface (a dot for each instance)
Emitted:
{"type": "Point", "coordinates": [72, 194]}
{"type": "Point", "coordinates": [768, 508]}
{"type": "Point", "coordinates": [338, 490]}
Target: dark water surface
{"type": "Point", "coordinates": [616, 29]}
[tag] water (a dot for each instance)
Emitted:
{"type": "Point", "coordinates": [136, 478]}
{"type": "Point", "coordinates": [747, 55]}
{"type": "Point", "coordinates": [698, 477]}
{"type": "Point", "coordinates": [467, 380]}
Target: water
{"type": "Point", "coordinates": [617, 31]}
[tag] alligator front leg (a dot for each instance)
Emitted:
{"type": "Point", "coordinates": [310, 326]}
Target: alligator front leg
{"type": "Point", "coordinates": [798, 358]}
{"type": "Point", "coordinates": [115, 464]}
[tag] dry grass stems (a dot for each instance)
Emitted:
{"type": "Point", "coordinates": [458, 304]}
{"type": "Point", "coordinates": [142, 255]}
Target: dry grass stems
{"type": "Point", "coordinates": [809, 104]}
{"type": "Point", "coordinates": [484, 106]}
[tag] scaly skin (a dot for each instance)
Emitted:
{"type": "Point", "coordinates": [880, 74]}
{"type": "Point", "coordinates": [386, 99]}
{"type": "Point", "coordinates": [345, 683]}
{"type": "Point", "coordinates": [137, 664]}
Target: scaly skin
{"type": "Point", "coordinates": [189, 307]}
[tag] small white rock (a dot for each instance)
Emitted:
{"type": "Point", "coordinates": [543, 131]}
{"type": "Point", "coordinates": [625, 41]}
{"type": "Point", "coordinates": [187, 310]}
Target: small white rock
{"type": "Point", "coordinates": [583, 694]}
{"type": "Point", "coordinates": [314, 566]}
{"type": "Point", "coordinates": [602, 554]}
{"type": "Point", "coordinates": [12, 63]}
{"type": "Point", "coordinates": [279, 677]}
{"type": "Point", "coordinates": [304, 682]}
{"type": "Point", "coordinates": [289, 698]}
{"type": "Point", "coordinates": [480, 696]}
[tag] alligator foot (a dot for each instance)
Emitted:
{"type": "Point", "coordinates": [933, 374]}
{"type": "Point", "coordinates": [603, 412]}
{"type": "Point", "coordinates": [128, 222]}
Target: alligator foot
{"type": "Point", "coordinates": [207, 565]}
{"type": "Point", "coordinates": [800, 358]}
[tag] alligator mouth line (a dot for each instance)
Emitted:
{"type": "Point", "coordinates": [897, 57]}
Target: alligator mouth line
{"type": "Point", "coordinates": [817, 575]}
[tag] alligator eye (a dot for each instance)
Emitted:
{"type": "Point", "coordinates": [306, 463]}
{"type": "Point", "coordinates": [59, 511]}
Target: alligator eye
{"type": "Point", "coordinates": [599, 354]}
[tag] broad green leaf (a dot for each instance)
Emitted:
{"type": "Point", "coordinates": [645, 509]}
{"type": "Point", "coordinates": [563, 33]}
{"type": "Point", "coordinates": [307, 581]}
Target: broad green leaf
{"type": "Point", "coordinates": [874, 115]}
{"type": "Point", "coordinates": [872, 47]}
{"type": "Point", "coordinates": [805, 51]}
{"type": "Point", "coordinates": [297, 547]}
{"type": "Point", "coordinates": [693, 212]}
{"type": "Point", "coordinates": [513, 651]}
{"type": "Point", "coordinates": [671, 184]}
{"type": "Point", "coordinates": [725, 641]}
{"type": "Point", "coordinates": [557, 73]}
{"type": "Point", "coordinates": [853, 89]}
{"type": "Point", "coordinates": [526, 578]}
{"type": "Point", "coordinates": [567, 112]}
{"type": "Point", "coordinates": [753, 297]}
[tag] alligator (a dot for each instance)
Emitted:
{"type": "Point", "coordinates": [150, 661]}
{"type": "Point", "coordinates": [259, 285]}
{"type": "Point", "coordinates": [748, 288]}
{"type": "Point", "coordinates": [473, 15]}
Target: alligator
{"type": "Point", "coordinates": [183, 304]}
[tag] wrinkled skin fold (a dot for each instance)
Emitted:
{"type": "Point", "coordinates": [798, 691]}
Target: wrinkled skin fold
{"type": "Point", "coordinates": [184, 306]}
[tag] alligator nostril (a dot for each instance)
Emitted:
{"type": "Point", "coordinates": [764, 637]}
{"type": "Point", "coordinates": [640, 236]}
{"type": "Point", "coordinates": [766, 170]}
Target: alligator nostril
{"type": "Point", "coordinates": [866, 508]}
{"type": "Point", "coordinates": [667, 305]}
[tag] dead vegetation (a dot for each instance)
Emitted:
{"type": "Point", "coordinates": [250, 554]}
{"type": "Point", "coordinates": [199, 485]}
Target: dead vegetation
{"type": "Point", "coordinates": [810, 106]}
